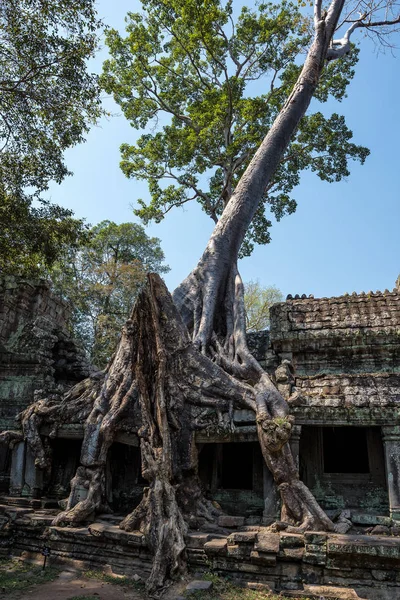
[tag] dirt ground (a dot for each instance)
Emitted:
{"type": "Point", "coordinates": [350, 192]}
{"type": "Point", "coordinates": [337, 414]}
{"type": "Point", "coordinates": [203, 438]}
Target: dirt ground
{"type": "Point", "coordinates": [20, 582]}
{"type": "Point", "coordinates": [71, 585]}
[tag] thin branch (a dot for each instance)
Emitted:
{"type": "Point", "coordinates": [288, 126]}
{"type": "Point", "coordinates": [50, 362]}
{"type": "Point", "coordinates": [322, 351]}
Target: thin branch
{"type": "Point", "coordinates": [342, 46]}
{"type": "Point", "coordinates": [317, 12]}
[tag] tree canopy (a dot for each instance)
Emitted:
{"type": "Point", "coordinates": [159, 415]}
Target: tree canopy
{"type": "Point", "coordinates": [102, 279]}
{"type": "Point", "coordinates": [48, 101]}
{"type": "Point", "coordinates": [258, 300]}
{"type": "Point", "coordinates": [213, 84]}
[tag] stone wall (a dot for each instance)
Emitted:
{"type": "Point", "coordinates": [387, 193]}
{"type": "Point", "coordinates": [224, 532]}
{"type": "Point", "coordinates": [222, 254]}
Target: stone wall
{"type": "Point", "coordinates": [36, 350]}
{"type": "Point", "coordinates": [347, 334]}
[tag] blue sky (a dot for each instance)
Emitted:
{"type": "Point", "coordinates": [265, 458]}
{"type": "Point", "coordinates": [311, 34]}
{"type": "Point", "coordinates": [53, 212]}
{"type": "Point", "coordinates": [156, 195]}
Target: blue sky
{"type": "Point", "coordinates": [344, 237]}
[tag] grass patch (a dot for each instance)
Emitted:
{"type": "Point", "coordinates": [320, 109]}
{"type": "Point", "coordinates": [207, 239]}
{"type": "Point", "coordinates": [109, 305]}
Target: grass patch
{"type": "Point", "coordinates": [17, 575]}
{"type": "Point", "coordinates": [123, 581]}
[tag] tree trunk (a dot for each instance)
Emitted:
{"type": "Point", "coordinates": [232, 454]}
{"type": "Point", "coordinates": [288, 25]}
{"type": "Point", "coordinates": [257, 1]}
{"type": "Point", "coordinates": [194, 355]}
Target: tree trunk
{"type": "Point", "coordinates": [181, 362]}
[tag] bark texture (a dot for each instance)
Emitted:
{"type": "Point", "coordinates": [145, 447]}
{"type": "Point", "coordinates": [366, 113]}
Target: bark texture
{"type": "Point", "coordinates": [179, 362]}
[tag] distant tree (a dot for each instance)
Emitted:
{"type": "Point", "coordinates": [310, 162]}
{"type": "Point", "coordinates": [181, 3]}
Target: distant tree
{"type": "Point", "coordinates": [48, 101]}
{"type": "Point", "coordinates": [197, 73]}
{"type": "Point", "coordinates": [257, 302]}
{"type": "Point", "coordinates": [102, 279]}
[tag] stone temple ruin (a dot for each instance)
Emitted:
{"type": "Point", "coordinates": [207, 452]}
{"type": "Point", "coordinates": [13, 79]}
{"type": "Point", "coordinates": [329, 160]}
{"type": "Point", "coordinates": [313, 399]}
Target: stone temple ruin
{"type": "Point", "coordinates": [335, 360]}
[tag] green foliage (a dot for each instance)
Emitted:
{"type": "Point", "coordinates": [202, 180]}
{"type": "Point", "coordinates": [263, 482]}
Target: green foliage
{"type": "Point", "coordinates": [257, 301]}
{"type": "Point", "coordinates": [48, 101]}
{"type": "Point", "coordinates": [32, 236]}
{"type": "Point", "coordinates": [101, 280]}
{"type": "Point", "coordinates": [186, 66]}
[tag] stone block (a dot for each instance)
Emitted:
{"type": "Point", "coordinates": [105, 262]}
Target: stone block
{"type": "Point", "coordinates": [230, 521]}
{"type": "Point", "coordinates": [295, 554]}
{"type": "Point", "coordinates": [218, 547]}
{"type": "Point", "coordinates": [242, 537]}
{"type": "Point", "coordinates": [327, 591]}
{"type": "Point", "coordinates": [198, 586]}
{"type": "Point", "coordinates": [365, 550]}
{"type": "Point", "coordinates": [315, 554]}
{"type": "Point", "coordinates": [291, 540]}
{"type": "Point", "coordinates": [239, 551]}
{"type": "Point", "coordinates": [381, 530]}
{"type": "Point", "coordinates": [263, 558]}
{"type": "Point", "coordinates": [260, 587]}
{"type": "Point", "coordinates": [267, 542]}
{"type": "Point", "coordinates": [315, 537]}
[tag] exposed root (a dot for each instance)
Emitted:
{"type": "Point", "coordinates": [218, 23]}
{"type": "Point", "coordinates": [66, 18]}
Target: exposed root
{"type": "Point", "coordinates": [159, 376]}
{"type": "Point", "coordinates": [86, 497]}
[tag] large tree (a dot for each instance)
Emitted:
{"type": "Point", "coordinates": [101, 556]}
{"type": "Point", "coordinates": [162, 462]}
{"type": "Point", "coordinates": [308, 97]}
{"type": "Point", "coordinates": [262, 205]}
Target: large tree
{"type": "Point", "coordinates": [212, 85]}
{"type": "Point", "coordinates": [48, 101]}
{"type": "Point", "coordinates": [101, 280]}
{"type": "Point", "coordinates": [184, 357]}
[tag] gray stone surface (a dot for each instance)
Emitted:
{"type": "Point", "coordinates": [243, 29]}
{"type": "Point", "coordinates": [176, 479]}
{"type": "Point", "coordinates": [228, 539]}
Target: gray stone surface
{"type": "Point", "coordinates": [198, 586]}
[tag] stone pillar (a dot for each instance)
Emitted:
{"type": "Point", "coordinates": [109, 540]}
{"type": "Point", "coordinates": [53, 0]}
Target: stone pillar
{"type": "Point", "coordinates": [17, 474]}
{"type": "Point", "coordinates": [272, 503]}
{"type": "Point", "coordinates": [391, 443]}
{"type": "Point", "coordinates": [295, 443]}
{"type": "Point", "coordinates": [33, 476]}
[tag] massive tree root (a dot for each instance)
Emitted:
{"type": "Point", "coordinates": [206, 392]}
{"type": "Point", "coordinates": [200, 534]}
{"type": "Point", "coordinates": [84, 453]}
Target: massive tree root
{"type": "Point", "coordinates": [176, 359]}
{"type": "Point", "coordinates": [158, 384]}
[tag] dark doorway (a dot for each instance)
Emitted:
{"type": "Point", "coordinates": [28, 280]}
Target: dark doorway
{"type": "Point", "coordinates": [127, 483]}
{"type": "Point", "coordinates": [237, 466]}
{"type": "Point", "coordinates": [65, 461]}
{"type": "Point", "coordinates": [345, 450]}
{"type": "Point", "coordinates": [344, 467]}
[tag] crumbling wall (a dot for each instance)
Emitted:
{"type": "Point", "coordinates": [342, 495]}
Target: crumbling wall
{"type": "Point", "coordinates": [347, 334]}
{"type": "Point", "coordinates": [36, 350]}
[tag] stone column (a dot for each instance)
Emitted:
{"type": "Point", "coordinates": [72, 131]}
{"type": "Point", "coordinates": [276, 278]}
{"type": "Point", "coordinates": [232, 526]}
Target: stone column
{"type": "Point", "coordinates": [295, 443]}
{"type": "Point", "coordinates": [391, 443]}
{"type": "Point", "coordinates": [17, 474]}
{"type": "Point", "coordinates": [33, 476]}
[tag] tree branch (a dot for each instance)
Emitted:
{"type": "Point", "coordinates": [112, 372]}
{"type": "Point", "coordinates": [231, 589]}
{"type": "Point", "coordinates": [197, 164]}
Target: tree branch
{"type": "Point", "coordinates": [342, 46]}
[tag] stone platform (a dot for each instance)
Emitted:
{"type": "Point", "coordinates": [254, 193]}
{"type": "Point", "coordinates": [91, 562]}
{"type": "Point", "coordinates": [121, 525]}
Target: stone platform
{"type": "Point", "coordinates": [287, 562]}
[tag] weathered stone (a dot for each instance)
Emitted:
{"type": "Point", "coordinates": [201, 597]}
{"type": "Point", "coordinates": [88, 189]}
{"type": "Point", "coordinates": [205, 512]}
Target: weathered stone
{"type": "Point", "coordinates": [230, 521]}
{"type": "Point", "coordinates": [198, 586]}
{"type": "Point", "coordinates": [216, 547]}
{"type": "Point", "coordinates": [260, 587]}
{"type": "Point", "coordinates": [380, 530]}
{"type": "Point", "coordinates": [239, 551]}
{"type": "Point", "coordinates": [263, 558]}
{"type": "Point", "coordinates": [315, 554]}
{"type": "Point", "coordinates": [295, 554]}
{"type": "Point", "coordinates": [242, 537]}
{"type": "Point", "coordinates": [315, 538]}
{"type": "Point", "coordinates": [291, 540]}
{"type": "Point", "coordinates": [267, 542]}
{"type": "Point", "coordinates": [359, 518]}
{"type": "Point", "coordinates": [332, 592]}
